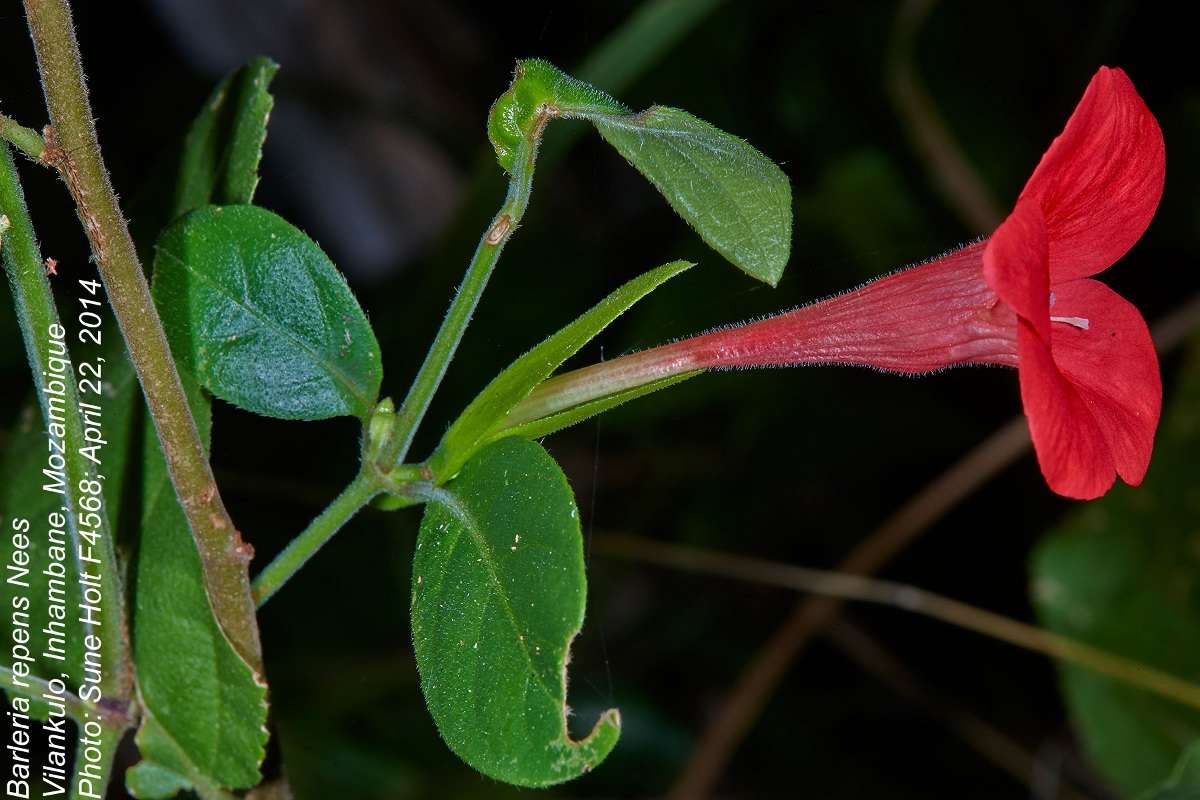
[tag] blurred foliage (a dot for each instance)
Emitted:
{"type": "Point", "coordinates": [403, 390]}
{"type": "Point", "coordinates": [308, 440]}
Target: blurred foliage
{"type": "Point", "coordinates": [1123, 573]}
{"type": "Point", "coordinates": [797, 465]}
{"type": "Point", "coordinates": [1184, 783]}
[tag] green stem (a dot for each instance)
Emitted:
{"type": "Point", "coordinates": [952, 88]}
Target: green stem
{"type": "Point", "coordinates": [72, 148]}
{"type": "Point", "coordinates": [38, 316]}
{"type": "Point", "coordinates": [105, 747]}
{"type": "Point", "coordinates": [24, 139]}
{"type": "Point", "coordinates": [487, 253]}
{"type": "Point", "coordinates": [311, 539]}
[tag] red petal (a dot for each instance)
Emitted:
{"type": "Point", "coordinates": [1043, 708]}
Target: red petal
{"type": "Point", "coordinates": [1016, 265]}
{"type": "Point", "coordinates": [1071, 447]}
{"type": "Point", "coordinates": [1113, 367]}
{"type": "Point", "coordinates": [1100, 182]}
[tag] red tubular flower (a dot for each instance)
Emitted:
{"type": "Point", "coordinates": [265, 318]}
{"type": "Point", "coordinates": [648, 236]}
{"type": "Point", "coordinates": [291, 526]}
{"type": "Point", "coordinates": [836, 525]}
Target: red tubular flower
{"type": "Point", "coordinates": [1089, 374]}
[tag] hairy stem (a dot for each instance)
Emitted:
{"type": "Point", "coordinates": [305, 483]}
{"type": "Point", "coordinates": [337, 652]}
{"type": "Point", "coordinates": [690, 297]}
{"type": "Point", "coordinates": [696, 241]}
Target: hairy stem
{"type": "Point", "coordinates": [38, 316]}
{"type": "Point", "coordinates": [407, 484]}
{"type": "Point", "coordinates": [24, 139]}
{"type": "Point", "coordinates": [487, 253]}
{"type": "Point", "coordinates": [848, 586]}
{"type": "Point", "coordinates": [72, 148]}
{"type": "Point", "coordinates": [102, 751]}
{"type": "Point", "coordinates": [313, 538]}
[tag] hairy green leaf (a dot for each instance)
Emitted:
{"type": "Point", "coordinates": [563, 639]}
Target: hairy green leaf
{"type": "Point", "coordinates": [262, 318]}
{"type": "Point", "coordinates": [1123, 574]}
{"type": "Point", "coordinates": [736, 198]}
{"type": "Point", "coordinates": [498, 595]}
{"type": "Point", "coordinates": [224, 144]}
{"type": "Point", "coordinates": [483, 418]}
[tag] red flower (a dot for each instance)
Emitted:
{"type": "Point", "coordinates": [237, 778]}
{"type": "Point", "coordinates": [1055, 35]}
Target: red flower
{"type": "Point", "coordinates": [1090, 384]}
{"type": "Point", "coordinates": [1088, 370]}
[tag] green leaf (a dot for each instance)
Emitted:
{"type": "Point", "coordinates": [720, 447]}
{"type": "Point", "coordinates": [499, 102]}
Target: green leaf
{"type": "Point", "coordinates": [206, 708]}
{"type": "Point", "coordinates": [498, 595]}
{"type": "Point", "coordinates": [736, 198]}
{"type": "Point", "coordinates": [261, 316]}
{"type": "Point", "coordinates": [1184, 783]}
{"type": "Point", "coordinates": [1123, 573]}
{"type": "Point", "coordinates": [485, 415]}
{"type": "Point", "coordinates": [224, 144]}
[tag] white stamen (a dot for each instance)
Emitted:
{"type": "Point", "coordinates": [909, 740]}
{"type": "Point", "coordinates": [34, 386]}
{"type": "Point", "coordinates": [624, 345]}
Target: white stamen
{"type": "Point", "coordinates": [1078, 322]}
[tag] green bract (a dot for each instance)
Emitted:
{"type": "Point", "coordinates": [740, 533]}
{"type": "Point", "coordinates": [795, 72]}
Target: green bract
{"type": "Point", "coordinates": [498, 595]}
{"type": "Point", "coordinates": [483, 419]}
{"type": "Point", "coordinates": [544, 426]}
{"type": "Point", "coordinates": [263, 318]}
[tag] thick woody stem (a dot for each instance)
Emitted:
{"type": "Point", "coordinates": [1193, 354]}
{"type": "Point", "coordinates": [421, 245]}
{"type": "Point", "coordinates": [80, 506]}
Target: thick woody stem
{"type": "Point", "coordinates": [72, 148]}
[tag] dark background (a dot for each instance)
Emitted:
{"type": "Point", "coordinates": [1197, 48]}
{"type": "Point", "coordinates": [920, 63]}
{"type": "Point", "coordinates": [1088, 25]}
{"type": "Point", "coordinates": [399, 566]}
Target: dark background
{"type": "Point", "coordinates": [378, 150]}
